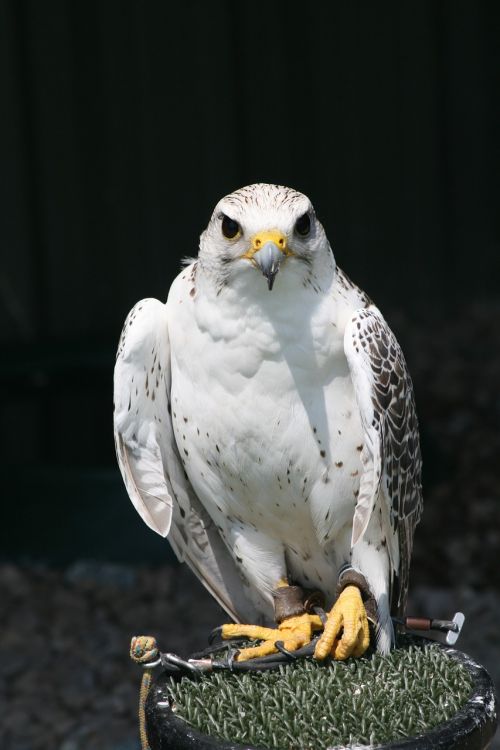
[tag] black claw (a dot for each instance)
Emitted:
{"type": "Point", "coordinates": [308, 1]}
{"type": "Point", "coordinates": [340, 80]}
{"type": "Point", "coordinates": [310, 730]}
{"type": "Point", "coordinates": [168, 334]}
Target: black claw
{"type": "Point", "coordinates": [321, 614]}
{"type": "Point", "coordinates": [233, 653]}
{"type": "Point", "coordinates": [291, 655]}
{"type": "Point", "coordinates": [216, 633]}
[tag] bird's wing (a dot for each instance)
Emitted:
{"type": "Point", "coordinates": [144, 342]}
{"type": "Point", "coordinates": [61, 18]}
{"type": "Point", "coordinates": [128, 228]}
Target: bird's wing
{"type": "Point", "coordinates": [391, 450]}
{"type": "Point", "coordinates": [149, 461]}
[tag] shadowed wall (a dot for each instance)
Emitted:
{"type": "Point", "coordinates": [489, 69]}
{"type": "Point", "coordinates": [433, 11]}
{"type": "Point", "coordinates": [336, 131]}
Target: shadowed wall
{"type": "Point", "coordinates": [122, 126]}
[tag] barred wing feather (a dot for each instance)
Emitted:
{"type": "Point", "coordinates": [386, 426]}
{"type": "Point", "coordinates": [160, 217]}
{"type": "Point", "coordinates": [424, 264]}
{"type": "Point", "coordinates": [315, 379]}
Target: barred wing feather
{"type": "Point", "coordinates": [391, 453]}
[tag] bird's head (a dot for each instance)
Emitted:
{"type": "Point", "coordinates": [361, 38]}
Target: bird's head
{"type": "Point", "coordinates": [263, 228]}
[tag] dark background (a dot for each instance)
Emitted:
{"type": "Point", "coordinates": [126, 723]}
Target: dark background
{"type": "Point", "coordinates": [122, 125]}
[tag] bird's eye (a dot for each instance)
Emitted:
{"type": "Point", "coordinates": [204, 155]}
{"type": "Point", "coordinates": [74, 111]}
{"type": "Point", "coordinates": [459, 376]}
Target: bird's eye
{"type": "Point", "coordinates": [230, 227]}
{"type": "Point", "coordinates": [303, 225]}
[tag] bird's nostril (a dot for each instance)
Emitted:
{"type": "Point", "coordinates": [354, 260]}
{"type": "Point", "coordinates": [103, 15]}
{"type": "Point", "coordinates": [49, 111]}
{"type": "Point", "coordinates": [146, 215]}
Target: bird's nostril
{"type": "Point", "coordinates": [257, 243]}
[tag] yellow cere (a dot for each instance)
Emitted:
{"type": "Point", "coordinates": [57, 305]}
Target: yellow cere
{"type": "Point", "coordinates": [270, 235]}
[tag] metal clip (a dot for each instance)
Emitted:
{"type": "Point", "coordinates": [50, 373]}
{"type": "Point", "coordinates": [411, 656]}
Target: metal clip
{"type": "Point", "coordinates": [190, 666]}
{"type": "Point", "coordinates": [452, 628]}
{"type": "Point", "coordinates": [455, 629]}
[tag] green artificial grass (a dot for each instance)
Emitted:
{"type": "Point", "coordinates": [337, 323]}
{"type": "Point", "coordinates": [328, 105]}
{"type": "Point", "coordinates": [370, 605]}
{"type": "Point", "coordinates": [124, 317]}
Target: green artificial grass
{"type": "Point", "coordinates": [306, 705]}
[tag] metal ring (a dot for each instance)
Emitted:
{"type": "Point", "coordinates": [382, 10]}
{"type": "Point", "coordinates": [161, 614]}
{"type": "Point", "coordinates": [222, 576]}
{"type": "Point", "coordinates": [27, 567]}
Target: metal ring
{"type": "Point", "coordinates": [151, 664]}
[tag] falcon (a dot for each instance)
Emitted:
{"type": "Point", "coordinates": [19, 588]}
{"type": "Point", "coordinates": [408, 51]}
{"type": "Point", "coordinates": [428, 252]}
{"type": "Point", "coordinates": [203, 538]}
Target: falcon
{"type": "Point", "coordinates": [265, 423]}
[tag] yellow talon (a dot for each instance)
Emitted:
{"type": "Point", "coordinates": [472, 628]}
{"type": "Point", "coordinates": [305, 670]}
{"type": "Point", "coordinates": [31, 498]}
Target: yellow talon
{"type": "Point", "coordinates": [346, 632]}
{"type": "Point", "coordinates": [253, 632]}
{"type": "Point", "coordinates": [295, 632]}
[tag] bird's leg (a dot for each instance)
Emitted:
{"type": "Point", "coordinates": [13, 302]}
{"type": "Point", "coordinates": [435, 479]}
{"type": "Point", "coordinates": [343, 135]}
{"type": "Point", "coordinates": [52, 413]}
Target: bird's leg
{"type": "Point", "coordinates": [295, 625]}
{"type": "Point", "coordinates": [347, 631]}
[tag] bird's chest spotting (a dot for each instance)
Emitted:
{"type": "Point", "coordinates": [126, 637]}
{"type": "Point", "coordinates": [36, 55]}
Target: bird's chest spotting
{"type": "Point", "coordinates": [266, 420]}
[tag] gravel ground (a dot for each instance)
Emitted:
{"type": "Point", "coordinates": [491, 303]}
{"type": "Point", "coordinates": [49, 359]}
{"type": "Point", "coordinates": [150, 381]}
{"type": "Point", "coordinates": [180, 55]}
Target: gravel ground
{"type": "Point", "coordinates": [67, 682]}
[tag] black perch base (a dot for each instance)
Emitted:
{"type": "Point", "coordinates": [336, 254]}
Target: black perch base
{"type": "Point", "coordinates": [471, 728]}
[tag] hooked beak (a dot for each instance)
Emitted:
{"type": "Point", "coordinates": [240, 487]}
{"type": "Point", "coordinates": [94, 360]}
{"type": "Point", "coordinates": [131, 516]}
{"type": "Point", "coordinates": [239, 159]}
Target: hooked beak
{"type": "Point", "coordinates": [268, 259]}
{"type": "Point", "coordinates": [267, 252]}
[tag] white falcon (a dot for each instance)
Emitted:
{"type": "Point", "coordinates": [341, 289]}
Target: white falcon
{"type": "Point", "coordinates": [265, 422]}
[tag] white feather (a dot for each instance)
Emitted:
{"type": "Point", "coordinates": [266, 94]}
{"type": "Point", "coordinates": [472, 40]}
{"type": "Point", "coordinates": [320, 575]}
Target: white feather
{"type": "Point", "coordinates": [149, 459]}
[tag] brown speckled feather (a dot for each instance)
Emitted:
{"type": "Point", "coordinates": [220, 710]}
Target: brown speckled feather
{"type": "Point", "coordinates": [391, 455]}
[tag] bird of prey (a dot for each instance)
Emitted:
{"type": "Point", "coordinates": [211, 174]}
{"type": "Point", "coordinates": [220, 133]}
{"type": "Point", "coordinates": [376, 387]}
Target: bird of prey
{"type": "Point", "coordinates": [265, 422]}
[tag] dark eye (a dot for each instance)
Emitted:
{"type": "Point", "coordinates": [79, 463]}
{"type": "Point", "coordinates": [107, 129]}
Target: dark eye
{"type": "Point", "coordinates": [303, 225]}
{"type": "Point", "coordinates": [230, 227]}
